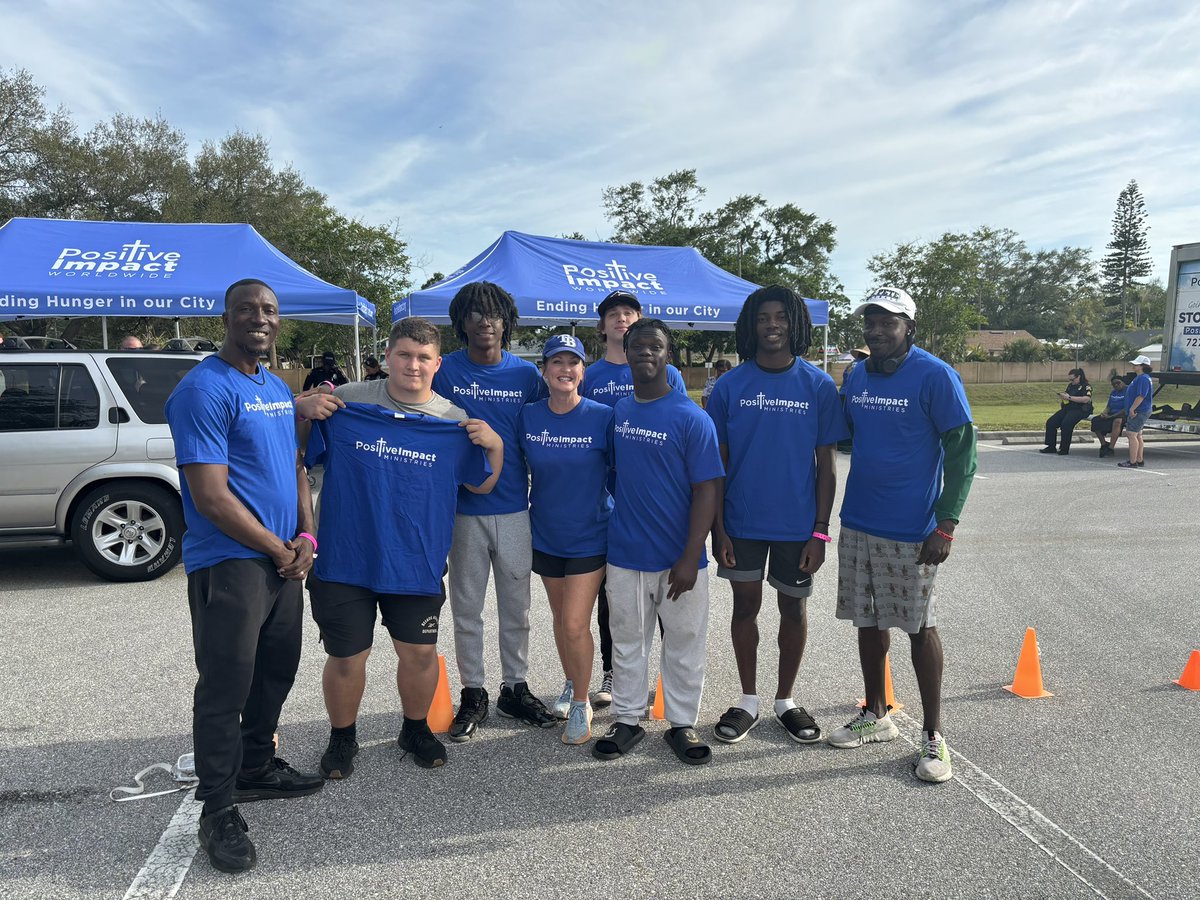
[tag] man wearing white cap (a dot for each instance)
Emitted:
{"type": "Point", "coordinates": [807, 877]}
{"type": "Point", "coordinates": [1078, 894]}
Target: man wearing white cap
{"type": "Point", "coordinates": [1137, 410]}
{"type": "Point", "coordinates": [910, 471]}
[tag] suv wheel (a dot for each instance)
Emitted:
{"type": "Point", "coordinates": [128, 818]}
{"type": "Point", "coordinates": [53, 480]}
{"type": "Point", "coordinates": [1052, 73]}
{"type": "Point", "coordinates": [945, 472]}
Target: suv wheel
{"type": "Point", "coordinates": [126, 531]}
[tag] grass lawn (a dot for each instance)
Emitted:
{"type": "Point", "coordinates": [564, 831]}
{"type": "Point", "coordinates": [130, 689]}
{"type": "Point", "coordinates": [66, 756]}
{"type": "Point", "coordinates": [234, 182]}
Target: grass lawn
{"type": "Point", "coordinates": [1026, 407]}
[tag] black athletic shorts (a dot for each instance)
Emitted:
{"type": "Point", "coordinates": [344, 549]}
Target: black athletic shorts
{"type": "Point", "coordinates": [784, 573]}
{"type": "Point", "coordinates": [345, 614]}
{"type": "Point", "coordinates": [561, 566]}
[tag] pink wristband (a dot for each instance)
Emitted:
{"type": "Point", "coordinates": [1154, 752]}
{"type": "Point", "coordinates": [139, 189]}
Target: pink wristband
{"type": "Point", "coordinates": [822, 537]}
{"type": "Point", "coordinates": [308, 537]}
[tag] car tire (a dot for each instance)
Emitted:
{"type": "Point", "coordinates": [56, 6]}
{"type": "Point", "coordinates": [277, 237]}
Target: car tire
{"type": "Point", "coordinates": [129, 531]}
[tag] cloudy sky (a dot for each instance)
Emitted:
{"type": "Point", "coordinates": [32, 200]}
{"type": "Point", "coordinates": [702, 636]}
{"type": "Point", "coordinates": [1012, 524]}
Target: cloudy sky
{"type": "Point", "coordinates": [895, 120]}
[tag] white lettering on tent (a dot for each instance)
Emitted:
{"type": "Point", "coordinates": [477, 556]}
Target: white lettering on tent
{"type": "Point", "coordinates": [611, 276]}
{"type": "Point", "coordinates": [14, 301]}
{"type": "Point", "coordinates": [131, 260]}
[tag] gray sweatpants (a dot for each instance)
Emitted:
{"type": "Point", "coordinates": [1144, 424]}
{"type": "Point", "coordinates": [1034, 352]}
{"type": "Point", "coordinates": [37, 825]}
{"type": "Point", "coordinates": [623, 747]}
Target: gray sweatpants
{"type": "Point", "coordinates": [482, 544]}
{"type": "Point", "coordinates": [636, 600]}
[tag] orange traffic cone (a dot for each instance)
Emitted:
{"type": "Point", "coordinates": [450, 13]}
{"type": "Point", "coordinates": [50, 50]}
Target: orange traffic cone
{"type": "Point", "coordinates": [441, 711]}
{"type": "Point", "coordinates": [1190, 678]}
{"type": "Point", "coordinates": [1028, 681]}
{"type": "Point", "coordinates": [889, 693]}
{"type": "Point", "coordinates": [658, 711]}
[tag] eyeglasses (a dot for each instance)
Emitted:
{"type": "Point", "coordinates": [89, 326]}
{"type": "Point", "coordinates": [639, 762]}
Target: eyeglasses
{"type": "Point", "coordinates": [475, 317]}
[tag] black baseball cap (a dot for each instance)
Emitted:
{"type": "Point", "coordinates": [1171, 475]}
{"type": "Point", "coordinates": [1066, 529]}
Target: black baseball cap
{"type": "Point", "coordinates": [328, 355]}
{"type": "Point", "coordinates": [618, 298]}
{"type": "Point", "coordinates": [371, 362]}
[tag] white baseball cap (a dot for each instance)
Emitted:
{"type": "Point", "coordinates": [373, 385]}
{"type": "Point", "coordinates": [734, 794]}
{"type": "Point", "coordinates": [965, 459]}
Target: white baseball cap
{"type": "Point", "coordinates": [1142, 360]}
{"type": "Point", "coordinates": [892, 299]}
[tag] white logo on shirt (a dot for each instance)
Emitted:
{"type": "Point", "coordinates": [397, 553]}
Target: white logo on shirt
{"type": "Point", "coordinates": [385, 450]}
{"type": "Point", "coordinates": [645, 435]}
{"type": "Point", "coordinates": [612, 388]}
{"type": "Point", "coordinates": [763, 403]}
{"type": "Point", "coordinates": [475, 392]}
{"type": "Point", "coordinates": [876, 403]}
{"type": "Point", "coordinates": [273, 409]}
{"type": "Point", "coordinates": [559, 440]}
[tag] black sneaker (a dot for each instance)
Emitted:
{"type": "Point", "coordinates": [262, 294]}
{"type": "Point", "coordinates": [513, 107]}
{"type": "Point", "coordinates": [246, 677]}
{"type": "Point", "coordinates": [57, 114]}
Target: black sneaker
{"type": "Point", "coordinates": [472, 711]}
{"type": "Point", "coordinates": [338, 760]}
{"type": "Point", "coordinates": [518, 702]}
{"type": "Point", "coordinates": [223, 835]}
{"type": "Point", "coordinates": [276, 780]}
{"type": "Point", "coordinates": [427, 751]}
{"type": "Point", "coordinates": [1048, 450]}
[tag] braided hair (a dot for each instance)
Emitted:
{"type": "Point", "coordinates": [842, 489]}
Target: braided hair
{"type": "Point", "coordinates": [486, 299]}
{"type": "Point", "coordinates": [794, 307]}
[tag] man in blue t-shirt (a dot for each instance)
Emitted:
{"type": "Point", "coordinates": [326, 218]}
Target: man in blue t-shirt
{"type": "Point", "coordinates": [778, 421]}
{"type": "Point", "coordinates": [395, 458]}
{"type": "Point", "coordinates": [1138, 397]}
{"type": "Point", "coordinates": [491, 532]}
{"type": "Point", "coordinates": [247, 548]}
{"type": "Point", "coordinates": [910, 473]}
{"type": "Point", "coordinates": [1110, 422]}
{"type": "Point", "coordinates": [665, 448]}
{"type": "Point", "coordinates": [606, 381]}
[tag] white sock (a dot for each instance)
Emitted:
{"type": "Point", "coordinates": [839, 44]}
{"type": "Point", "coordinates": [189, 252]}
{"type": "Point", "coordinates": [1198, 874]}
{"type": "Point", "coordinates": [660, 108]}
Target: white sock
{"type": "Point", "coordinates": [782, 706]}
{"type": "Point", "coordinates": [749, 703]}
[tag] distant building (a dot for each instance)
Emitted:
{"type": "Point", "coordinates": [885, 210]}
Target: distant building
{"type": "Point", "coordinates": [993, 342]}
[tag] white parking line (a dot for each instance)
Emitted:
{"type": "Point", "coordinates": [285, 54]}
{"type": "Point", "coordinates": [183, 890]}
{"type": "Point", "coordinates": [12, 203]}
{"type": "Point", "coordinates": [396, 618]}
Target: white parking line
{"type": "Point", "coordinates": [1086, 865]}
{"type": "Point", "coordinates": [169, 861]}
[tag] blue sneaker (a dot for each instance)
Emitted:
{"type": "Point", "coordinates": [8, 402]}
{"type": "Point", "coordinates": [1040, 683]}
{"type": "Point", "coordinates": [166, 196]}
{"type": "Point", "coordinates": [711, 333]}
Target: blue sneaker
{"type": "Point", "coordinates": [579, 723]}
{"type": "Point", "coordinates": [562, 706]}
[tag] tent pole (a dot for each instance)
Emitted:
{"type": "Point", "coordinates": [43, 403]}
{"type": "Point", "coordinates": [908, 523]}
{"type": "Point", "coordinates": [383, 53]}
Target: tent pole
{"type": "Point", "coordinates": [357, 353]}
{"type": "Point", "coordinates": [177, 327]}
{"type": "Point", "coordinates": [825, 361]}
{"type": "Point", "coordinates": [104, 332]}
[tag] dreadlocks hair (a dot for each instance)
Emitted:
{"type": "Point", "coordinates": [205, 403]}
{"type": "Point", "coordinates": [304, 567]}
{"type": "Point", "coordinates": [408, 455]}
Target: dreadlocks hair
{"type": "Point", "coordinates": [486, 299]}
{"type": "Point", "coordinates": [796, 310]}
{"type": "Point", "coordinates": [644, 324]}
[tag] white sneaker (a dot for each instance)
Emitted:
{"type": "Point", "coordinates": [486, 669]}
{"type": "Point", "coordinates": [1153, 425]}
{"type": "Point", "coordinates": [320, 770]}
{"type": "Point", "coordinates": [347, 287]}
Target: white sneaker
{"type": "Point", "coordinates": [579, 724]}
{"type": "Point", "coordinates": [933, 760]}
{"type": "Point", "coordinates": [562, 706]}
{"type": "Point", "coordinates": [864, 728]}
{"type": "Point", "coordinates": [603, 696]}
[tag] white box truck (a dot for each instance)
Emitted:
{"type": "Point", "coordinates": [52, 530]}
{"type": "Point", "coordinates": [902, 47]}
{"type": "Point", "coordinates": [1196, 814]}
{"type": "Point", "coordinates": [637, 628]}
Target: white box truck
{"type": "Point", "coordinates": [1181, 339]}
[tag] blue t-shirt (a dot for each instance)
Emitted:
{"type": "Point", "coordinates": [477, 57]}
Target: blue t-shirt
{"type": "Point", "coordinates": [389, 496]}
{"type": "Point", "coordinates": [661, 449]}
{"type": "Point", "coordinates": [771, 425]}
{"type": "Point", "coordinates": [1116, 403]}
{"type": "Point", "coordinates": [1141, 386]}
{"type": "Point", "coordinates": [607, 382]}
{"type": "Point", "coordinates": [496, 395]}
{"type": "Point", "coordinates": [896, 465]}
{"type": "Point", "coordinates": [221, 416]}
{"type": "Point", "coordinates": [569, 460]}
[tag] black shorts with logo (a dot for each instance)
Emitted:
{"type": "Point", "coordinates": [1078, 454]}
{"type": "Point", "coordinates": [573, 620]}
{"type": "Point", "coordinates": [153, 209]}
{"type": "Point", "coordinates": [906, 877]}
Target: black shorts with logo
{"type": "Point", "coordinates": [345, 614]}
{"type": "Point", "coordinates": [783, 574]}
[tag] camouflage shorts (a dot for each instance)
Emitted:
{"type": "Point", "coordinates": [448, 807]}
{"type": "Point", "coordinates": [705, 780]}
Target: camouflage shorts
{"type": "Point", "coordinates": [880, 583]}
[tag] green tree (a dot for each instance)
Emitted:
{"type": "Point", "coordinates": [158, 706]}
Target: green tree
{"type": "Point", "coordinates": [1128, 256]}
{"type": "Point", "coordinates": [943, 278]}
{"type": "Point", "coordinates": [665, 213]}
{"type": "Point", "coordinates": [1023, 350]}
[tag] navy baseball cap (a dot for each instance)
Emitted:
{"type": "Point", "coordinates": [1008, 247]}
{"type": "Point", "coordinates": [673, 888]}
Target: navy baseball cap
{"type": "Point", "coordinates": [617, 298]}
{"type": "Point", "coordinates": [564, 343]}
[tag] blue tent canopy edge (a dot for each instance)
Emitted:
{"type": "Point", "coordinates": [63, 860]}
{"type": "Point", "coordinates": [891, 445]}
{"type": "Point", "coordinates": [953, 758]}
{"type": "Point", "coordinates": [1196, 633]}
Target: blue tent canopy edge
{"type": "Point", "coordinates": [557, 281]}
{"type": "Point", "coordinates": [71, 267]}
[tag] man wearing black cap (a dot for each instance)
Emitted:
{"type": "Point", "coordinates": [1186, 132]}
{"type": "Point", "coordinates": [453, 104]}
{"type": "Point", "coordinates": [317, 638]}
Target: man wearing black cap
{"type": "Point", "coordinates": [373, 372]}
{"type": "Point", "coordinates": [327, 371]}
{"type": "Point", "coordinates": [606, 381]}
{"type": "Point", "coordinates": [910, 471]}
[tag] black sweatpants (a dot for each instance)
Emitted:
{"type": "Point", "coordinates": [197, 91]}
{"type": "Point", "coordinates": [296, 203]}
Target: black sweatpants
{"type": "Point", "coordinates": [246, 624]}
{"type": "Point", "coordinates": [1066, 419]}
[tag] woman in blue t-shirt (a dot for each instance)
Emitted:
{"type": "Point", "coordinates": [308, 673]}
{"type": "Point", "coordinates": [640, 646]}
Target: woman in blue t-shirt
{"type": "Point", "coordinates": [567, 441]}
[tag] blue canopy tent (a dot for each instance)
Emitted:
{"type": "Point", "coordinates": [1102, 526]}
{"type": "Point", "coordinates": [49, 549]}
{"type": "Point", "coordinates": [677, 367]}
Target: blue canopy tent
{"type": "Point", "coordinates": [556, 281]}
{"type": "Point", "coordinates": [64, 267]}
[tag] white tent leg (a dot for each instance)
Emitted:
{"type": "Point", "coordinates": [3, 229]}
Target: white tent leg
{"type": "Point", "coordinates": [357, 355]}
{"type": "Point", "coordinates": [825, 354]}
{"type": "Point", "coordinates": [104, 332]}
{"type": "Point", "coordinates": [177, 327]}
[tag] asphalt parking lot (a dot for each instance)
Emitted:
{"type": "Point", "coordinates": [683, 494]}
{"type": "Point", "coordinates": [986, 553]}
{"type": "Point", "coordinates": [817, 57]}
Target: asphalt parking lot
{"type": "Point", "coordinates": [1093, 791]}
